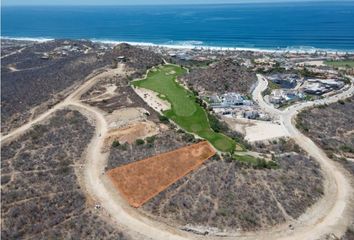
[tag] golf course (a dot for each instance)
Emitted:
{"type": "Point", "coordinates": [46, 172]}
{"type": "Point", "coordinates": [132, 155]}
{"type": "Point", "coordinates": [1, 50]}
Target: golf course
{"type": "Point", "coordinates": [185, 111]}
{"type": "Point", "coordinates": [342, 63]}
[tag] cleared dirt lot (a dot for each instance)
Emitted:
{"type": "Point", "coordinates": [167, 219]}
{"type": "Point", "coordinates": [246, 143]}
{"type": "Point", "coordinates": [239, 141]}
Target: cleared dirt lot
{"type": "Point", "coordinates": [255, 130]}
{"type": "Point", "coordinates": [140, 181]}
{"type": "Point", "coordinates": [131, 133]}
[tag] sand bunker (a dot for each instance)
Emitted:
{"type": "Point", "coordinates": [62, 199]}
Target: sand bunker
{"type": "Point", "coordinates": [151, 98]}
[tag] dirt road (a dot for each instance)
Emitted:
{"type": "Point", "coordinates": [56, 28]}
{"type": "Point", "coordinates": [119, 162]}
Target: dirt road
{"type": "Point", "coordinates": [96, 183]}
{"type": "Point", "coordinates": [73, 97]}
{"type": "Point", "coordinates": [331, 214]}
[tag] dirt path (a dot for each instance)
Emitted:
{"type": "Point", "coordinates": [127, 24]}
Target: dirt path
{"type": "Point", "coordinates": [331, 214]}
{"type": "Point", "coordinates": [14, 52]}
{"type": "Point", "coordinates": [96, 182]}
{"type": "Point", "coordinates": [73, 97]}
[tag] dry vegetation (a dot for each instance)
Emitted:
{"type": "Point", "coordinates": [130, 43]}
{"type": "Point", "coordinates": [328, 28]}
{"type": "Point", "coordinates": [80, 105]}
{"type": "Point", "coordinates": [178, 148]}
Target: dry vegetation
{"type": "Point", "coordinates": [220, 77]}
{"type": "Point", "coordinates": [140, 181]}
{"type": "Point", "coordinates": [349, 234]}
{"type": "Point", "coordinates": [44, 79]}
{"type": "Point", "coordinates": [124, 97]}
{"type": "Point", "coordinates": [225, 193]}
{"type": "Point", "coordinates": [230, 196]}
{"type": "Point", "coordinates": [166, 141]}
{"type": "Point", "coordinates": [137, 59]}
{"type": "Point", "coordinates": [41, 196]}
{"type": "Point", "coordinates": [9, 46]}
{"type": "Point", "coordinates": [50, 80]}
{"type": "Point", "coordinates": [332, 128]}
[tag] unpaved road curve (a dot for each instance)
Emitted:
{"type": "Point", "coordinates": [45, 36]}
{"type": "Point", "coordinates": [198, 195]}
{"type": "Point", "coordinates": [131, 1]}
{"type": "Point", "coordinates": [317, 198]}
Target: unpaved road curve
{"type": "Point", "coordinates": [329, 215]}
{"type": "Point", "coordinates": [334, 212]}
{"type": "Point", "coordinates": [98, 185]}
{"type": "Point", "coordinates": [96, 182]}
{"type": "Point", "coordinates": [73, 97]}
{"type": "Point", "coordinates": [14, 52]}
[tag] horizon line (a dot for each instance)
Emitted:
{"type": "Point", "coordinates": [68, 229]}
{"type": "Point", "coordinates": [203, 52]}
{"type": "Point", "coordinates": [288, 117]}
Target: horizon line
{"type": "Point", "coordinates": [177, 4]}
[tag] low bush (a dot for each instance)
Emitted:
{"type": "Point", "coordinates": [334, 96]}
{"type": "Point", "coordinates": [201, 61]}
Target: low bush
{"type": "Point", "coordinates": [115, 143]}
{"type": "Point", "coordinates": [139, 142]}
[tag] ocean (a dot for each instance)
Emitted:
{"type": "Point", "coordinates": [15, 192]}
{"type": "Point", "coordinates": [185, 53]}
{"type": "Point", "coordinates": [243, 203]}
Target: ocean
{"type": "Point", "coordinates": [303, 26]}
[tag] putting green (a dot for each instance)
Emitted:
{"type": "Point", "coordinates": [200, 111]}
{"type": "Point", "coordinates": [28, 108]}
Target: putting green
{"type": "Point", "coordinates": [184, 110]}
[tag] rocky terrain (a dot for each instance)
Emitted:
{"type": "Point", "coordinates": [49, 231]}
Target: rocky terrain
{"type": "Point", "coordinates": [230, 196]}
{"type": "Point", "coordinates": [331, 127]}
{"type": "Point", "coordinates": [168, 140]}
{"type": "Point", "coordinates": [51, 69]}
{"type": "Point", "coordinates": [135, 58]}
{"type": "Point", "coordinates": [226, 75]}
{"type": "Point", "coordinates": [41, 194]}
{"type": "Point", "coordinates": [225, 193]}
{"type": "Point", "coordinates": [349, 234]}
{"type": "Point", "coordinates": [41, 172]}
{"type": "Point", "coordinates": [46, 70]}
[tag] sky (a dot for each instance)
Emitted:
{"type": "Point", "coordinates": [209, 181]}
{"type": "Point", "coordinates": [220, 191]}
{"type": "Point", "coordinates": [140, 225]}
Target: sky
{"type": "Point", "coordinates": [135, 2]}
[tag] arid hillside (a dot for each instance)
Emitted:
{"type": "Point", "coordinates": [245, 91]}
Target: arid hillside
{"type": "Point", "coordinates": [50, 70]}
{"type": "Point", "coordinates": [226, 194]}
{"type": "Point", "coordinates": [41, 194]}
{"type": "Point", "coordinates": [138, 59]}
{"type": "Point", "coordinates": [223, 76]}
{"type": "Point", "coordinates": [45, 70]}
{"type": "Point", "coordinates": [332, 128]}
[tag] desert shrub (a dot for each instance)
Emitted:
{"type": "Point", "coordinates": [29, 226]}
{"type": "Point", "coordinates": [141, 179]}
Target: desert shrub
{"type": "Point", "coordinates": [150, 139]}
{"type": "Point", "coordinates": [346, 148]}
{"type": "Point", "coordinates": [180, 131]}
{"type": "Point", "coordinates": [216, 125]}
{"type": "Point", "coordinates": [163, 119]}
{"type": "Point", "coordinates": [300, 125]}
{"type": "Point", "coordinates": [188, 137]}
{"type": "Point", "coordinates": [115, 143]}
{"type": "Point", "coordinates": [139, 142]}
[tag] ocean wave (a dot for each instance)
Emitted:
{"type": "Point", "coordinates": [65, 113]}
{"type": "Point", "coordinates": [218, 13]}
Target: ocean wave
{"type": "Point", "coordinates": [195, 44]}
{"type": "Point", "coordinates": [191, 43]}
{"type": "Point", "coordinates": [30, 39]}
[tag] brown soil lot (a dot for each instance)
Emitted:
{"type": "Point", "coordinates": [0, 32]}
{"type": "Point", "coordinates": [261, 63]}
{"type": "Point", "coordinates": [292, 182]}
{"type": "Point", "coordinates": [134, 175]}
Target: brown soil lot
{"type": "Point", "coordinates": [138, 182]}
{"type": "Point", "coordinates": [130, 133]}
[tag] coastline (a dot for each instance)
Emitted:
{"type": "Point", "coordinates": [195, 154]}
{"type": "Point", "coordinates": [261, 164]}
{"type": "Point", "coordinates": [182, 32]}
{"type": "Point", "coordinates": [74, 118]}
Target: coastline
{"type": "Point", "coordinates": [188, 45]}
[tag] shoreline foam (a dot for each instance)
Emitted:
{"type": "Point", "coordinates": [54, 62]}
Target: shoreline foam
{"type": "Point", "coordinates": [188, 45]}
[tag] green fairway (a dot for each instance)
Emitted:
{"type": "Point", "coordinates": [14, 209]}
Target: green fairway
{"type": "Point", "coordinates": [342, 63]}
{"type": "Point", "coordinates": [184, 110]}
